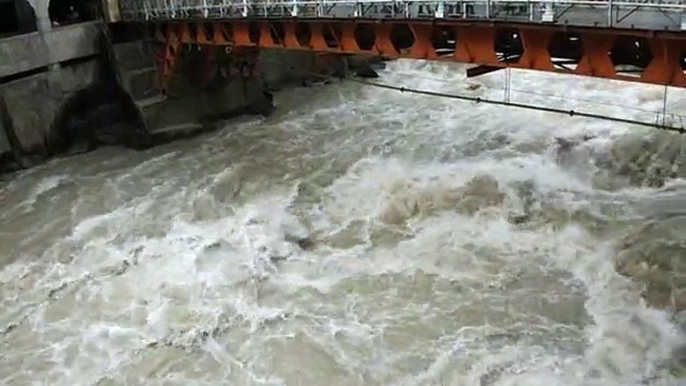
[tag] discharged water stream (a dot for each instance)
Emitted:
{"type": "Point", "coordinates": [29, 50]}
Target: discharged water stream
{"type": "Point", "coordinates": [359, 236]}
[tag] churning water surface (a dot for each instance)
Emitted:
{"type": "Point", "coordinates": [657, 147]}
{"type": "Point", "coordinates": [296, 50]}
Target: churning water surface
{"type": "Point", "coordinates": [359, 236]}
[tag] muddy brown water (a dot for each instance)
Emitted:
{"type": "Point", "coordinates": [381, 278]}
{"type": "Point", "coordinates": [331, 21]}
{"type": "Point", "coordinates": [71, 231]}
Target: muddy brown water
{"type": "Point", "coordinates": [448, 243]}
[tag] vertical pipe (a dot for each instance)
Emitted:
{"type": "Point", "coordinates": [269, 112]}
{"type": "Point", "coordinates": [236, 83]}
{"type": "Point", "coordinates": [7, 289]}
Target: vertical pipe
{"type": "Point", "coordinates": [440, 11]}
{"type": "Point", "coordinates": [531, 10]}
{"type": "Point", "coordinates": [548, 12]}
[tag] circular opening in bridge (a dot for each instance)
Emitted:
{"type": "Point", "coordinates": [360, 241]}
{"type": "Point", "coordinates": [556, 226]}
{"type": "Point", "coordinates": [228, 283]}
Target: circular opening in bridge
{"type": "Point", "coordinates": [443, 40]}
{"type": "Point", "coordinates": [65, 12]}
{"type": "Point", "coordinates": [365, 36]}
{"type": "Point", "coordinates": [508, 45]}
{"type": "Point", "coordinates": [565, 50]}
{"type": "Point", "coordinates": [278, 33]}
{"type": "Point", "coordinates": [332, 35]}
{"type": "Point", "coordinates": [303, 34]}
{"type": "Point", "coordinates": [402, 38]}
{"type": "Point", "coordinates": [254, 32]}
{"type": "Point", "coordinates": [630, 55]}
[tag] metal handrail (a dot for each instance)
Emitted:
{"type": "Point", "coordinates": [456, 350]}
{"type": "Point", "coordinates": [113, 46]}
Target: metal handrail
{"type": "Point", "coordinates": [529, 10]}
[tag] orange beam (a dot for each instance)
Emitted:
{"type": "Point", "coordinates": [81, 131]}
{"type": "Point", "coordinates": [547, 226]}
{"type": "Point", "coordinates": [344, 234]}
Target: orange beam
{"type": "Point", "coordinates": [490, 45]}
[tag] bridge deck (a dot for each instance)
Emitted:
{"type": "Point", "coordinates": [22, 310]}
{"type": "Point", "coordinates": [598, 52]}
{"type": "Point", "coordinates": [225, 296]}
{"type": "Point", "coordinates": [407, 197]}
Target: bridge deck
{"type": "Point", "coordinates": [631, 14]}
{"type": "Point", "coordinates": [628, 40]}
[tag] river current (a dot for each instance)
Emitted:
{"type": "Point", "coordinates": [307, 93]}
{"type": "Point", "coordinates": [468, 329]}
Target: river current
{"type": "Point", "coordinates": [359, 236]}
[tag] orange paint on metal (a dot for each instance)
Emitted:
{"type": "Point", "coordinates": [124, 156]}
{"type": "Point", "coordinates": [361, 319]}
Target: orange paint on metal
{"type": "Point", "coordinates": [317, 41]}
{"type": "Point", "coordinates": [184, 33]}
{"type": "Point", "coordinates": [222, 34]}
{"type": "Point", "coordinates": [347, 42]}
{"type": "Point", "coordinates": [202, 34]}
{"type": "Point", "coordinates": [474, 43]}
{"type": "Point", "coordinates": [664, 68]}
{"type": "Point", "coordinates": [170, 55]}
{"type": "Point", "coordinates": [289, 39]}
{"type": "Point", "coordinates": [422, 47]}
{"type": "Point", "coordinates": [536, 54]}
{"type": "Point", "coordinates": [241, 34]}
{"type": "Point", "coordinates": [266, 36]}
{"type": "Point", "coordinates": [383, 41]}
{"type": "Point", "coordinates": [596, 61]}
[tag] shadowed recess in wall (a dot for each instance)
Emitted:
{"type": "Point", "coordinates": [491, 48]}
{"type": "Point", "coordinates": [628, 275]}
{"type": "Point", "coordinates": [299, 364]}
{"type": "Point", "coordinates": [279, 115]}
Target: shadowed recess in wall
{"type": "Point", "coordinates": [97, 115]}
{"type": "Point", "coordinates": [65, 12]}
{"type": "Point", "coordinates": [16, 17]}
{"type": "Point", "coordinates": [101, 114]}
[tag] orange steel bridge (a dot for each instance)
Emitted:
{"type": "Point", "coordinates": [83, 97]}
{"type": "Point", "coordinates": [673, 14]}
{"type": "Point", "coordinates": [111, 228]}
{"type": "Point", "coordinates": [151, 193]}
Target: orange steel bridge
{"type": "Point", "coordinates": [634, 41]}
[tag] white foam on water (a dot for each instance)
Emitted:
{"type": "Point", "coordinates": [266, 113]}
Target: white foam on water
{"type": "Point", "coordinates": [415, 275]}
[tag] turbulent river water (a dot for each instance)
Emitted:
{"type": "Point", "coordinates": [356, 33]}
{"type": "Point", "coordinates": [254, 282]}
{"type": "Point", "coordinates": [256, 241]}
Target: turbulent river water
{"type": "Point", "coordinates": [359, 236]}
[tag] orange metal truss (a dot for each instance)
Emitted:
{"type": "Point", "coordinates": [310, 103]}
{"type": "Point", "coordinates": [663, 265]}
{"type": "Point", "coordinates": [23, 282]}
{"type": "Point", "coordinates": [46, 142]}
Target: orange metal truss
{"type": "Point", "coordinates": [468, 43]}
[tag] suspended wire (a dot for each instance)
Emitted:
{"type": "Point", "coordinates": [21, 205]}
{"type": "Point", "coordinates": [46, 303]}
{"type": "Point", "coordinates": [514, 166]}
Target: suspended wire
{"type": "Point", "coordinates": [546, 95]}
{"type": "Point", "coordinates": [508, 84]}
{"type": "Point", "coordinates": [664, 106]}
{"type": "Point", "coordinates": [524, 106]}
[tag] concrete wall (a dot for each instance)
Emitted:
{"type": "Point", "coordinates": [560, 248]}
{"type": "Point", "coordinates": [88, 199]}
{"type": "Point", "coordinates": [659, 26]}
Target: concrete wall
{"type": "Point", "coordinates": [190, 106]}
{"type": "Point", "coordinates": [4, 141]}
{"type": "Point", "coordinates": [33, 102]}
{"type": "Point", "coordinates": [39, 72]}
{"type": "Point", "coordinates": [24, 53]}
{"type": "Point", "coordinates": [49, 96]}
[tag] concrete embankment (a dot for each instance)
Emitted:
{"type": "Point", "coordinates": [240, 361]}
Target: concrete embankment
{"type": "Point", "coordinates": [124, 97]}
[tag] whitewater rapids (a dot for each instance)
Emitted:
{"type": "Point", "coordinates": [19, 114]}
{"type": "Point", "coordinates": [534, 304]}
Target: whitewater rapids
{"type": "Point", "coordinates": [359, 236]}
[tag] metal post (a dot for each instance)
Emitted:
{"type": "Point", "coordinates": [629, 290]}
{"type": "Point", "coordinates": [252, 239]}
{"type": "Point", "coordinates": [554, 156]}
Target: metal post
{"type": "Point", "coordinates": [440, 10]}
{"type": "Point", "coordinates": [294, 10]}
{"type": "Point", "coordinates": [244, 12]}
{"type": "Point", "coordinates": [531, 10]}
{"type": "Point", "coordinates": [488, 9]}
{"type": "Point", "coordinates": [610, 7]}
{"type": "Point", "coordinates": [548, 12]}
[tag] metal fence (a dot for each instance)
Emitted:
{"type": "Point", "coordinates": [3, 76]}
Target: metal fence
{"type": "Point", "coordinates": [643, 14]}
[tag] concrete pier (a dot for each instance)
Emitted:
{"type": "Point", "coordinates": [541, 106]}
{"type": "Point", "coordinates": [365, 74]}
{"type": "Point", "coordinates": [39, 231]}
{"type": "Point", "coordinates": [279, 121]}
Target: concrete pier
{"type": "Point", "coordinates": [68, 88]}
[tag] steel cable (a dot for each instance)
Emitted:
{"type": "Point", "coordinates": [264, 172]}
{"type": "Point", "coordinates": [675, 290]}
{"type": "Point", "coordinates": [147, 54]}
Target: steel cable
{"type": "Point", "coordinates": [524, 106]}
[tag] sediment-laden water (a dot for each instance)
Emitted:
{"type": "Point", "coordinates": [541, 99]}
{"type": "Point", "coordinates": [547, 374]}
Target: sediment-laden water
{"type": "Point", "coordinates": [359, 236]}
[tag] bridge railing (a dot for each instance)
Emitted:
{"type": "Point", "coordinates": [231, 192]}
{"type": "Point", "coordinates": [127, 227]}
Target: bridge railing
{"type": "Point", "coordinates": [644, 14]}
